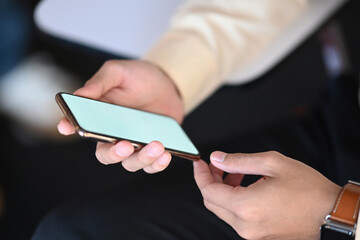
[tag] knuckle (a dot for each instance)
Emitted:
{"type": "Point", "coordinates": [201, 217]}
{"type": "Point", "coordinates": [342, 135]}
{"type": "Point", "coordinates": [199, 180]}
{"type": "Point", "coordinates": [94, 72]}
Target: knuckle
{"type": "Point", "coordinates": [207, 204]}
{"type": "Point", "coordinates": [248, 233]}
{"type": "Point", "coordinates": [247, 212]}
{"type": "Point", "coordinates": [271, 159]}
{"type": "Point", "coordinates": [249, 215]}
{"type": "Point", "coordinates": [109, 64]}
{"type": "Point", "coordinates": [145, 160]}
{"type": "Point", "coordinates": [162, 162]}
{"type": "Point", "coordinates": [240, 211]}
{"type": "Point", "coordinates": [99, 157]}
{"type": "Point", "coordinates": [112, 65]}
{"type": "Point", "coordinates": [129, 167]}
{"type": "Point", "coordinates": [106, 155]}
{"type": "Point", "coordinates": [273, 154]}
{"type": "Point", "coordinates": [113, 157]}
{"type": "Point", "coordinates": [149, 170]}
{"type": "Point", "coordinates": [158, 167]}
{"type": "Point", "coordinates": [205, 192]}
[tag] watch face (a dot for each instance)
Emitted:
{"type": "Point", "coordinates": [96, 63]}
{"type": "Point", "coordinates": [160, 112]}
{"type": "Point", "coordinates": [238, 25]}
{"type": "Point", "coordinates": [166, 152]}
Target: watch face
{"type": "Point", "coordinates": [327, 233]}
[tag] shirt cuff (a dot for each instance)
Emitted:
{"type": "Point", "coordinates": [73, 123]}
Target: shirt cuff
{"type": "Point", "coordinates": [189, 63]}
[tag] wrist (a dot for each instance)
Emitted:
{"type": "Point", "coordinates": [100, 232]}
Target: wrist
{"type": "Point", "coordinates": [178, 102]}
{"type": "Point", "coordinates": [190, 63]}
{"type": "Point", "coordinates": [342, 221]}
{"type": "Point", "coordinates": [168, 77]}
{"type": "Point", "coordinates": [170, 99]}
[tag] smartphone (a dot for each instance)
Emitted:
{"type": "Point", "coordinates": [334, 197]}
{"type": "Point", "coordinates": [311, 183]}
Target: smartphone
{"type": "Point", "coordinates": [106, 122]}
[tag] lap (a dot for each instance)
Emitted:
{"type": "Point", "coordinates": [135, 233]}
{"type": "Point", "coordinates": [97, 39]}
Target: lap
{"type": "Point", "coordinates": [163, 206]}
{"type": "Point", "coordinates": [168, 205]}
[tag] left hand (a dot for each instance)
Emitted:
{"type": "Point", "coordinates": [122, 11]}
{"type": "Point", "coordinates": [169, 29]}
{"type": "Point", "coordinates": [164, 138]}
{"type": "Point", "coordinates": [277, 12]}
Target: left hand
{"type": "Point", "coordinates": [136, 84]}
{"type": "Point", "coordinates": [289, 202]}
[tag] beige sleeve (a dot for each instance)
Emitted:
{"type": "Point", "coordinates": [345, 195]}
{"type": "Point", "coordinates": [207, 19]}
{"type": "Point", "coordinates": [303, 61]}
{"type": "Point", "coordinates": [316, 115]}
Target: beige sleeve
{"type": "Point", "coordinates": [209, 39]}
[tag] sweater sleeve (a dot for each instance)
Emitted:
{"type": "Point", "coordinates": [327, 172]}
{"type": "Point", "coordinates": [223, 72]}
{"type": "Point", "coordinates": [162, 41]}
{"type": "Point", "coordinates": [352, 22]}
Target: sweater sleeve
{"type": "Point", "coordinates": [209, 39]}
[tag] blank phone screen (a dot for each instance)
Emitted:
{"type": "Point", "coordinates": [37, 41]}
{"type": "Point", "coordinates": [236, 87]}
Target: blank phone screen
{"type": "Point", "coordinates": [127, 123]}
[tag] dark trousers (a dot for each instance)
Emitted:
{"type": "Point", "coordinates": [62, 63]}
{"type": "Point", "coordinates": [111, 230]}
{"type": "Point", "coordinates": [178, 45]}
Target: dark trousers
{"type": "Point", "coordinates": [168, 205]}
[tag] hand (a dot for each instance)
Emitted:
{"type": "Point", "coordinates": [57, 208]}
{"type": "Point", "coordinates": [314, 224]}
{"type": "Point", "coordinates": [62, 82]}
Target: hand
{"type": "Point", "coordinates": [289, 202]}
{"type": "Point", "coordinates": [136, 84]}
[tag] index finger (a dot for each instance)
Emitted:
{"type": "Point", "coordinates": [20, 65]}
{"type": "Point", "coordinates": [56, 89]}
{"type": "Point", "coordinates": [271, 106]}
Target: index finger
{"type": "Point", "coordinates": [202, 174]}
{"type": "Point", "coordinates": [218, 194]}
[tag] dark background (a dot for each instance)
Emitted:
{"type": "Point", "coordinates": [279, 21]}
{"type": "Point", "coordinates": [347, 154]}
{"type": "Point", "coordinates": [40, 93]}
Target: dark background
{"type": "Point", "coordinates": [38, 173]}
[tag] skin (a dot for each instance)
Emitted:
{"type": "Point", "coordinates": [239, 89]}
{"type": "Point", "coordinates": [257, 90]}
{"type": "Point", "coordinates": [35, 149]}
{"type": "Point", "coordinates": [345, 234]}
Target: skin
{"type": "Point", "coordinates": [122, 83]}
{"type": "Point", "coordinates": [289, 202]}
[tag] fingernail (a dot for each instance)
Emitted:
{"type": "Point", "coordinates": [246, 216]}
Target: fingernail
{"type": "Point", "coordinates": [218, 156]}
{"type": "Point", "coordinates": [154, 151]}
{"type": "Point", "coordinates": [60, 129]}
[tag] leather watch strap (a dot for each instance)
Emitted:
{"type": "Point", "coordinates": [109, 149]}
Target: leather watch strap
{"type": "Point", "coordinates": [347, 205]}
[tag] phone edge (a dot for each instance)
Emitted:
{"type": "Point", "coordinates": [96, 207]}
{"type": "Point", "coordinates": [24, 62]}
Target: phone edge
{"type": "Point", "coordinates": [89, 135]}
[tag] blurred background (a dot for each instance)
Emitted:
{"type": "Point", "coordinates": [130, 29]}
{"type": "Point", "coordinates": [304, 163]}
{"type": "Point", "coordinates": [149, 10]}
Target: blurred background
{"type": "Point", "coordinates": [39, 169]}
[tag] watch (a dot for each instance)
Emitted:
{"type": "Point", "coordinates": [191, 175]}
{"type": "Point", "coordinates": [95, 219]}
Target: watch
{"type": "Point", "coordinates": [341, 223]}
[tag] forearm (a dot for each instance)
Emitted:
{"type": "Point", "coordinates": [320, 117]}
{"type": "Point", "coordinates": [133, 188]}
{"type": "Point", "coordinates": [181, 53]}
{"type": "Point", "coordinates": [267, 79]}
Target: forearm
{"type": "Point", "coordinates": [209, 40]}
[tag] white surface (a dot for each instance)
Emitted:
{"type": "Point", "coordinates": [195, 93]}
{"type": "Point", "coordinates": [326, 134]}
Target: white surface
{"type": "Point", "coordinates": [131, 27]}
{"type": "Point", "coordinates": [27, 91]}
{"type": "Point", "coordinates": [127, 27]}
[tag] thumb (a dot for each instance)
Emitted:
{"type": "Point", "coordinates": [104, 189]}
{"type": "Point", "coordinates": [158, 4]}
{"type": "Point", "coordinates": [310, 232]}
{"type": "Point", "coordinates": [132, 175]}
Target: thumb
{"type": "Point", "coordinates": [93, 90]}
{"type": "Point", "coordinates": [247, 163]}
{"type": "Point", "coordinates": [110, 75]}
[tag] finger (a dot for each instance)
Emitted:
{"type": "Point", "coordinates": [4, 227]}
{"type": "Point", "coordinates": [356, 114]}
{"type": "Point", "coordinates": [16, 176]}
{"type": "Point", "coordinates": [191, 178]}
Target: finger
{"type": "Point", "coordinates": [204, 179]}
{"type": "Point", "coordinates": [234, 179]}
{"type": "Point", "coordinates": [108, 153]}
{"type": "Point", "coordinates": [265, 163]}
{"type": "Point", "coordinates": [65, 127]}
{"type": "Point", "coordinates": [221, 194]}
{"type": "Point", "coordinates": [213, 192]}
{"type": "Point", "coordinates": [160, 164]}
{"type": "Point", "coordinates": [202, 174]}
{"type": "Point", "coordinates": [108, 76]}
{"type": "Point", "coordinates": [145, 157]}
{"type": "Point", "coordinates": [216, 173]}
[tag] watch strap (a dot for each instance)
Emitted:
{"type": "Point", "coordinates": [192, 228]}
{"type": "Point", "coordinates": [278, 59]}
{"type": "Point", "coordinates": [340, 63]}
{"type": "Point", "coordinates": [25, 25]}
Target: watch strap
{"type": "Point", "coordinates": [347, 205]}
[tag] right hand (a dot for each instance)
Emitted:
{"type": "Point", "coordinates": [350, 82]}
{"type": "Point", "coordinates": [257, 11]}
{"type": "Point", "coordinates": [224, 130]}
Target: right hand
{"type": "Point", "coordinates": [288, 202]}
{"type": "Point", "coordinates": [136, 84]}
